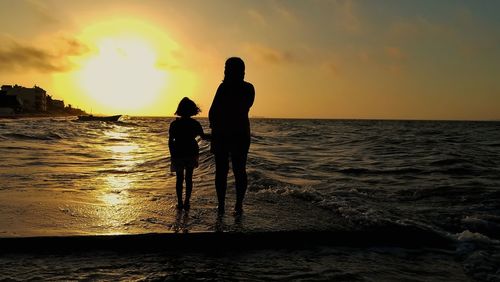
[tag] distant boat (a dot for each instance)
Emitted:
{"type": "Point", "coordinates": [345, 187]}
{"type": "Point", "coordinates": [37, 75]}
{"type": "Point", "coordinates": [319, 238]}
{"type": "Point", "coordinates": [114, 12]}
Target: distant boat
{"type": "Point", "coordinates": [99, 118]}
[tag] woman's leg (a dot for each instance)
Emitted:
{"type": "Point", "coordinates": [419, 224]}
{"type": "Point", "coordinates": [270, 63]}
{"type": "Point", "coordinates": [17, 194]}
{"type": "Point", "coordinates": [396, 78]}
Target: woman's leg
{"type": "Point", "coordinates": [221, 170]}
{"type": "Point", "coordinates": [239, 154]}
{"type": "Point", "coordinates": [178, 185]}
{"type": "Point", "coordinates": [239, 161]}
{"type": "Point", "coordinates": [189, 186]}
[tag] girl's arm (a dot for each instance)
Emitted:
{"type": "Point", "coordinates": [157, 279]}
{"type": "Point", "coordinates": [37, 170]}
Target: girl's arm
{"type": "Point", "coordinates": [202, 134]}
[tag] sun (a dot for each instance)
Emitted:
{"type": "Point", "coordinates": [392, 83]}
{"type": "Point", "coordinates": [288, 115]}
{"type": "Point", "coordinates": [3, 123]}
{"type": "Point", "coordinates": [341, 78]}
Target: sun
{"type": "Point", "coordinates": [132, 66]}
{"type": "Point", "coordinates": [122, 75]}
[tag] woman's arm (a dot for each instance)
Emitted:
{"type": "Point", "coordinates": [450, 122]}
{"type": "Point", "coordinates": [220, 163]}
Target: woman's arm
{"type": "Point", "coordinates": [171, 140]}
{"type": "Point", "coordinates": [251, 95]}
{"type": "Point", "coordinates": [215, 109]}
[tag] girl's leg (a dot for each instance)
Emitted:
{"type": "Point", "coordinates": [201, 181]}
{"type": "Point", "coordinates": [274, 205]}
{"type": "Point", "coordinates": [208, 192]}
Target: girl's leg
{"type": "Point", "coordinates": [178, 185]}
{"type": "Point", "coordinates": [189, 186]}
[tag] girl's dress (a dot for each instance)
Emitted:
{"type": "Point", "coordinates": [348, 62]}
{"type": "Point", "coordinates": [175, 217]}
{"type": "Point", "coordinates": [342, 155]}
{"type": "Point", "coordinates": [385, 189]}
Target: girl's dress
{"type": "Point", "coordinates": [184, 150]}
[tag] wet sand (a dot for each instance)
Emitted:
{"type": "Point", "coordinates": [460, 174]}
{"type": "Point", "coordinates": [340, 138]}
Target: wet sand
{"type": "Point", "coordinates": [34, 214]}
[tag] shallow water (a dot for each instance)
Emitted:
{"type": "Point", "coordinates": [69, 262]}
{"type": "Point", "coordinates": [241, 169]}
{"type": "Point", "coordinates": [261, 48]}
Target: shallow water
{"type": "Point", "coordinates": [62, 177]}
{"type": "Point", "coordinates": [339, 264]}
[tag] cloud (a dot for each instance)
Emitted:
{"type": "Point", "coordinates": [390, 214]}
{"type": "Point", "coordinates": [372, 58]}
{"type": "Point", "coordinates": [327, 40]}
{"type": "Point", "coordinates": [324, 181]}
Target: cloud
{"type": "Point", "coordinates": [395, 69]}
{"type": "Point", "coordinates": [18, 57]}
{"type": "Point", "coordinates": [276, 12]}
{"type": "Point", "coordinates": [168, 66]}
{"type": "Point", "coordinates": [270, 55]}
{"type": "Point", "coordinates": [72, 47]}
{"type": "Point", "coordinates": [418, 29]}
{"type": "Point", "coordinates": [396, 64]}
{"type": "Point", "coordinates": [469, 35]}
{"type": "Point", "coordinates": [395, 53]}
{"type": "Point", "coordinates": [333, 68]}
{"type": "Point", "coordinates": [42, 11]}
{"type": "Point", "coordinates": [284, 12]}
{"type": "Point", "coordinates": [257, 17]}
{"type": "Point", "coordinates": [364, 56]}
{"type": "Point", "coordinates": [348, 15]}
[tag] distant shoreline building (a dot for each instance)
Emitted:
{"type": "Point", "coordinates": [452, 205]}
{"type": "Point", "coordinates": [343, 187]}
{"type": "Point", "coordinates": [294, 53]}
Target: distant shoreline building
{"type": "Point", "coordinates": [19, 99]}
{"type": "Point", "coordinates": [33, 99]}
{"type": "Point", "coordinates": [54, 105]}
{"type": "Point", "coordinates": [10, 105]}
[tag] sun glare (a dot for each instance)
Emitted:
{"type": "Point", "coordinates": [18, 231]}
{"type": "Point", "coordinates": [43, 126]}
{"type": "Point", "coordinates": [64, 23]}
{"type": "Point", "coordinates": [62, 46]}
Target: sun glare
{"type": "Point", "coordinates": [132, 67]}
{"type": "Point", "coordinates": [123, 76]}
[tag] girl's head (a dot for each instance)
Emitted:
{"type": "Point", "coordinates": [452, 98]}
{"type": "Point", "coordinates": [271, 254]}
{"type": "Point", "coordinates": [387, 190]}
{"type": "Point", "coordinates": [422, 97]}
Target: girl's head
{"type": "Point", "coordinates": [234, 69]}
{"type": "Point", "coordinates": [187, 108]}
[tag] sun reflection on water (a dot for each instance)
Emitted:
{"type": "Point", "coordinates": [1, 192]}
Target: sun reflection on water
{"type": "Point", "coordinates": [113, 199]}
{"type": "Point", "coordinates": [123, 152]}
{"type": "Point", "coordinates": [116, 190]}
{"type": "Point", "coordinates": [117, 209]}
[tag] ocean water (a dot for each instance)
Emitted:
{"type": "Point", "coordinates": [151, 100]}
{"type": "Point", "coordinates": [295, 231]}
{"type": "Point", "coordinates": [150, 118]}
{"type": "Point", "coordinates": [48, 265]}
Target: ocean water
{"type": "Point", "coordinates": [408, 182]}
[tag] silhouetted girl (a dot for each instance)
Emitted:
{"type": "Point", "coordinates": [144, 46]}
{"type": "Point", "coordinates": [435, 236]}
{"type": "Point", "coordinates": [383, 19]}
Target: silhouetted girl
{"type": "Point", "coordinates": [184, 150]}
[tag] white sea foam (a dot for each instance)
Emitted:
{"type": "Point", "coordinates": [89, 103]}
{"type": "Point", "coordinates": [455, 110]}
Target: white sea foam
{"type": "Point", "coordinates": [468, 236]}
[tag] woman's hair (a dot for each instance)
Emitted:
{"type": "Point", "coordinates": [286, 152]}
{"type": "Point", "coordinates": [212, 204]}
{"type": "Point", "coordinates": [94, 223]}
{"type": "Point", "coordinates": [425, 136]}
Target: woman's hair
{"type": "Point", "coordinates": [187, 108]}
{"type": "Point", "coordinates": [234, 69]}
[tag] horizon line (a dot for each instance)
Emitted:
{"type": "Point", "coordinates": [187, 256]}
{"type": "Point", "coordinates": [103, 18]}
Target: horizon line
{"type": "Point", "coordinates": [333, 118]}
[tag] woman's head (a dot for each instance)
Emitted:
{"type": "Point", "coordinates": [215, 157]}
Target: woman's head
{"type": "Point", "coordinates": [187, 108]}
{"type": "Point", "coordinates": [234, 69]}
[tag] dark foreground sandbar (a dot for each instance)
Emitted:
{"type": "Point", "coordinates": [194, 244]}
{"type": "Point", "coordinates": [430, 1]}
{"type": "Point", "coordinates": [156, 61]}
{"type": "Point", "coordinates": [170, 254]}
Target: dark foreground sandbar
{"type": "Point", "coordinates": [395, 236]}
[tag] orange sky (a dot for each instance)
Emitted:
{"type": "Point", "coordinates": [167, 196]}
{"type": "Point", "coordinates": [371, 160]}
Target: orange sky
{"type": "Point", "coordinates": [306, 59]}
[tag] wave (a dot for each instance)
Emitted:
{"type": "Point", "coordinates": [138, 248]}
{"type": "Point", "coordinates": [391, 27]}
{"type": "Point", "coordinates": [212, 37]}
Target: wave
{"type": "Point", "coordinates": [83, 154]}
{"type": "Point", "coordinates": [459, 171]}
{"type": "Point", "coordinates": [21, 136]}
{"type": "Point", "coordinates": [467, 236]}
{"type": "Point", "coordinates": [479, 255]}
{"type": "Point", "coordinates": [487, 225]}
{"type": "Point", "coordinates": [453, 170]}
{"type": "Point", "coordinates": [450, 161]}
{"type": "Point", "coordinates": [116, 171]}
{"type": "Point", "coordinates": [379, 171]}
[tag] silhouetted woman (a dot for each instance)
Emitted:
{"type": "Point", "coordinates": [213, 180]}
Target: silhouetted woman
{"type": "Point", "coordinates": [230, 125]}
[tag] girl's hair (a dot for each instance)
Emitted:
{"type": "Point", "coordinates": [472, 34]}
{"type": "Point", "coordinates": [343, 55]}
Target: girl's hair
{"type": "Point", "coordinates": [187, 108]}
{"type": "Point", "coordinates": [234, 69]}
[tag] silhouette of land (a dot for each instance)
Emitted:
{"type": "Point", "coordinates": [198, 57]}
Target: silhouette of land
{"type": "Point", "coordinates": [19, 102]}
